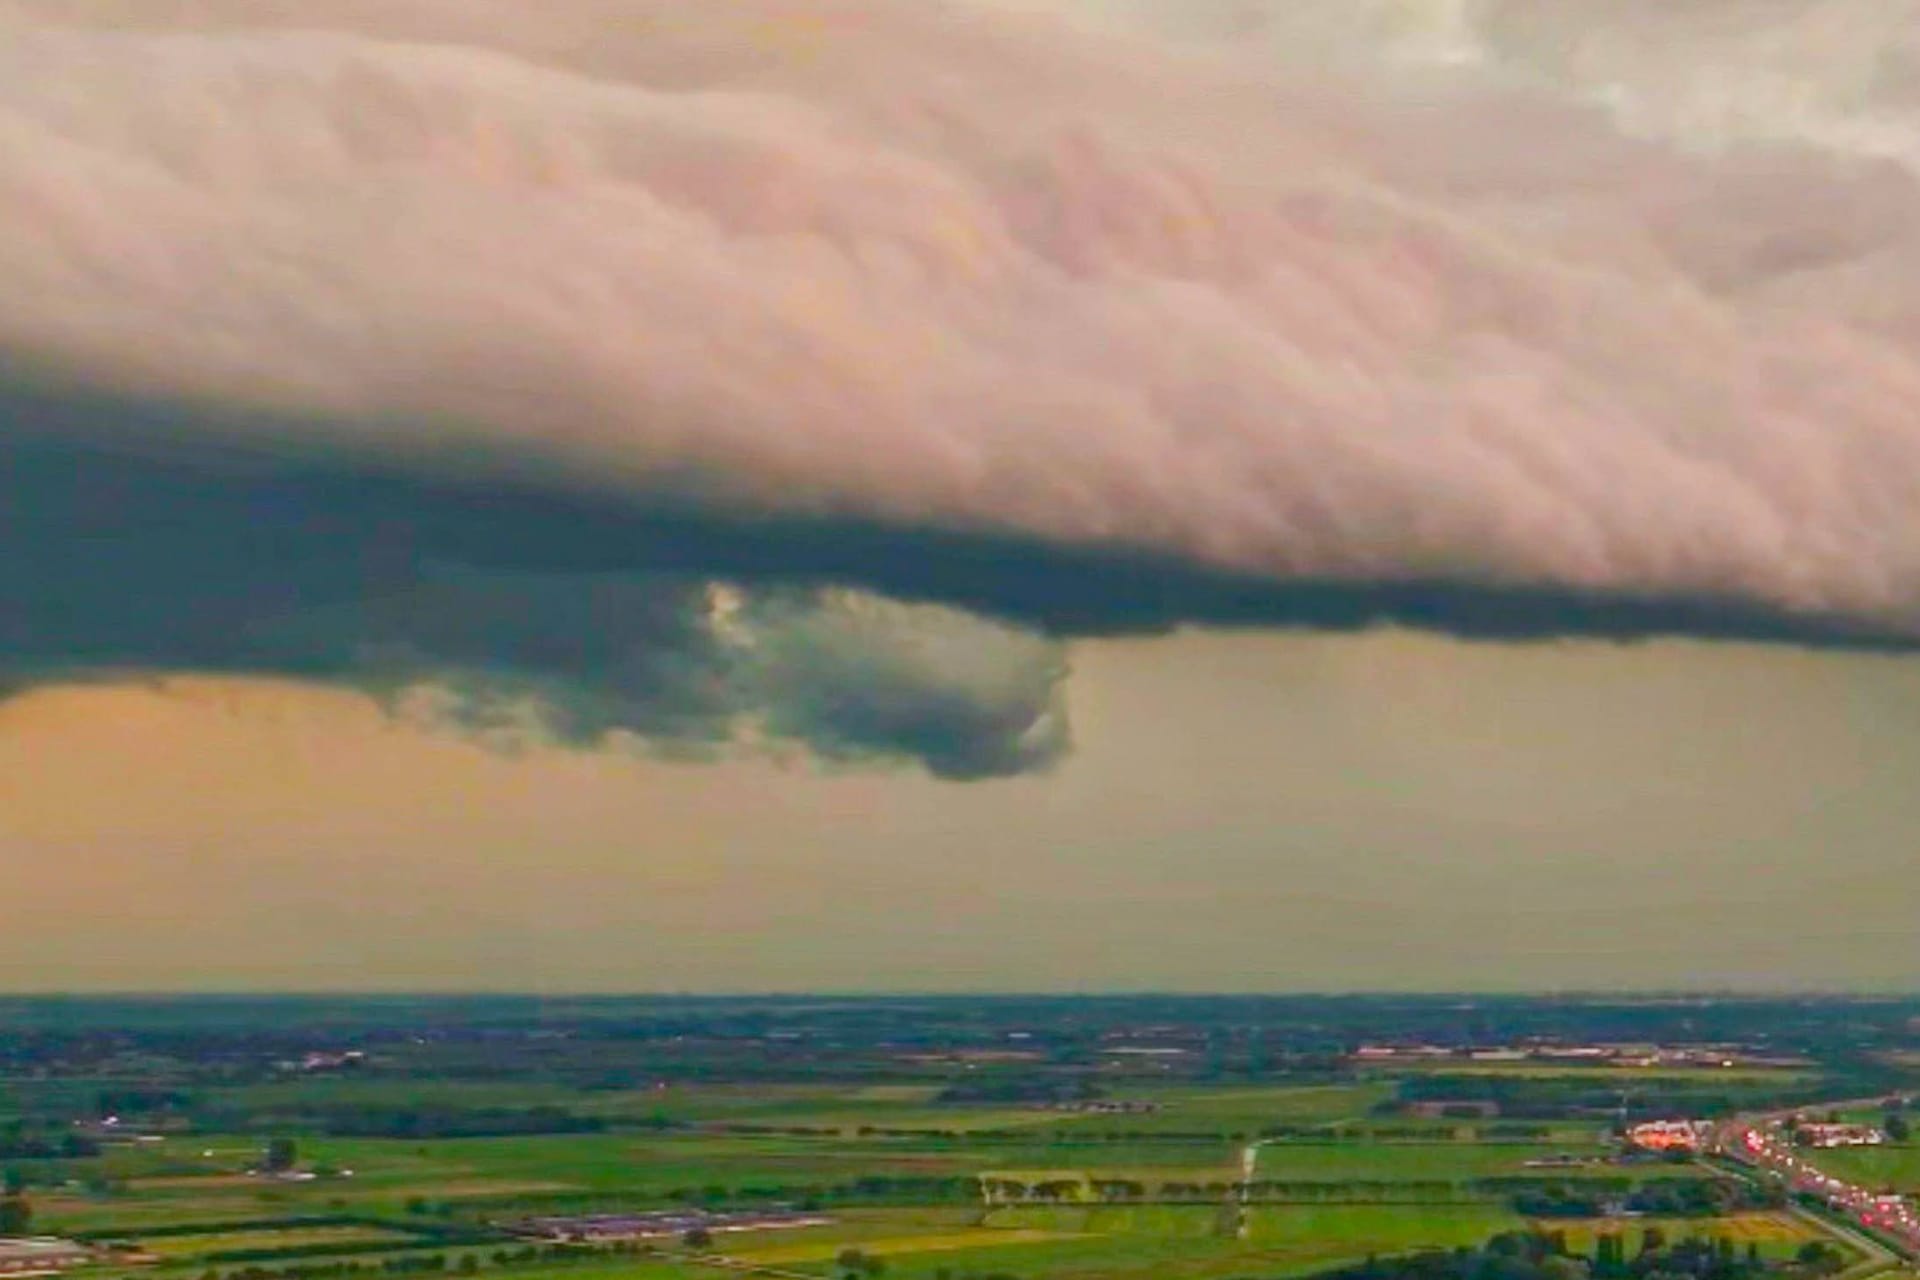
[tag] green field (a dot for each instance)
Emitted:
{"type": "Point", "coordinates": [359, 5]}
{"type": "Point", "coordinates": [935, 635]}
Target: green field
{"type": "Point", "coordinates": [1416, 1162]}
{"type": "Point", "coordinates": [1777, 1234]}
{"type": "Point", "coordinates": [199, 1245]}
{"type": "Point", "coordinates": [1896, 1166]}
{"type": "Point", "coordinates": [1137, 1242]}
{"type": "Point", "coordinates": [896, 1168]}
{"type": "Point", "coordinates": [197, 1177]}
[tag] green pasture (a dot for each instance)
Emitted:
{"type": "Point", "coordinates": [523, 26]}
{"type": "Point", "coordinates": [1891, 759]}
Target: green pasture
{"type": "Point", "coordinates": [200, 1245]}
{"type": "Point", "coordinates": [1893, 1165]}
{"type": "Point", "coordinates": [1289, 1161]}
{"type": "Point", "coordinates": [1777, 1234]}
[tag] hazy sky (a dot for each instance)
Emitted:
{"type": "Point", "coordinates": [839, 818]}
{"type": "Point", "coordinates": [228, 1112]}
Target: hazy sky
{"type": "Point", "coordinates": [1243, 812]}
{"type": "Point", "coordinates": [981, 493]}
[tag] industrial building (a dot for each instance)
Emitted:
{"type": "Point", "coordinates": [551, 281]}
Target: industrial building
{"type": "Point", "coordinates": [1669, 1135]}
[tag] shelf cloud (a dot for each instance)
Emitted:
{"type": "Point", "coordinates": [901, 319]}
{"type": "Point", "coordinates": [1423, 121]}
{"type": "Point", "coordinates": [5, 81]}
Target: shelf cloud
{"type": "Point", "coordinates": [811, 370]}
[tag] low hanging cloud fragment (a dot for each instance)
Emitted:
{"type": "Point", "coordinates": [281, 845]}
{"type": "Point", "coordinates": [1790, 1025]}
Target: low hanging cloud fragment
{"type": "Point", "coordinates": [504, 619]}
{"type": "Point", "coordinates": [809, 370]}
{"type": "Point", "coordinates": [692, 668]}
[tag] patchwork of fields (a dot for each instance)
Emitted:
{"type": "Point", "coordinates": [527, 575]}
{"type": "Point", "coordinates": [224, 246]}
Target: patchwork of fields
{"type": "Point", "coordinates": [897, 1169]}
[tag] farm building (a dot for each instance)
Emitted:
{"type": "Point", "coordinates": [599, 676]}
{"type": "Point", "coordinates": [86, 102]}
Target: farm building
{"type": "Point", "coordinates": [599, 1228]}
{"type": "Point", "coordinates": [39, 1255]}
{"type": "Point", "coordinates": [1841, 1135]}
{"type": "Point", "coordinates": [1455, 1109]}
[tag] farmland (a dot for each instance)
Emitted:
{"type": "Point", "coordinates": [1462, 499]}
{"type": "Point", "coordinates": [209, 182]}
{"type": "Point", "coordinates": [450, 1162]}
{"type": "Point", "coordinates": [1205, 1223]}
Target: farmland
{"type": "Point", "coordinates": [1891, 1166]}
{"type": "Point", "coordinates": [941, 1140]}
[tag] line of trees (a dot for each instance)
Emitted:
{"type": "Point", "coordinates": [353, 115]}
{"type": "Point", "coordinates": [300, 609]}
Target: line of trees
{"type": "Point", "coordinates": [437, 1264]}
{"type": "Point", "coordinates": [1545, 1256]}
{"type": "Point", "coordinates": [855, 1263]}
{"type": "Point", "coordinates": [1092, 1137]}
{"type": "Point", "coordinates": [425, 1120]}
{"type": "Point", "coordinates": [1535, 1197]}
{"type": "Point", "coordinates": [1265, 1190]}
{"type": "Point", "coordinates": [1661, 1197]}
{"type": "Point", "coordinates": [1572, 1097]}
{"type": "Point", "coordinates": [16, 1214]}
{"type": "Point", "coordinates": [21, 1141]}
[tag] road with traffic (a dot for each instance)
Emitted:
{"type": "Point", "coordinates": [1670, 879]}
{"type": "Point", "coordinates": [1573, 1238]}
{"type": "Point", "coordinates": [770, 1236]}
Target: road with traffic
{"type": "Point", "coordinates": [1765, 1143]}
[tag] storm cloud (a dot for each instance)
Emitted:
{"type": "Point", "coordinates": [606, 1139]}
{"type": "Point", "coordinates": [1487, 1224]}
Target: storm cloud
{"type": "Point", "coordinates": [811, 369]}
{"type": "Point", "coordinates": [489, 613]}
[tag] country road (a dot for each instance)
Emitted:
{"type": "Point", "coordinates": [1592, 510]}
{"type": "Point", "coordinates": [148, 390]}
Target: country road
{"type": "Point", "coordinates": [1249, 1166]}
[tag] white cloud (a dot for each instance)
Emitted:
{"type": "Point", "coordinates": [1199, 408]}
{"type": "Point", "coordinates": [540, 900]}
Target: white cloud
{"type": "Point", "coordinates": [1590, 299]}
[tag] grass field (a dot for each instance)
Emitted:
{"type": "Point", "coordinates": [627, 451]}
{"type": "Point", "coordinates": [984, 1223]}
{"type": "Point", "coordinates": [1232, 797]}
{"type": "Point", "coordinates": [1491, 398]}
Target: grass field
{"type": "Point", "coordinates": [1357, 1230]}
{"type": "Point", "coordinates": [1281, 1240]}
{"type": "Point", "coordinates": [845, 1106]}
{"type": "Point", "coordinates": [1142, 1242]}
{"type": "Point", "coordinates": [1412, 1162]}
{"type": "Point", "coordinates": [894, 1246]}
{"type": "Point", "coordinates": [177, 1181]}
{"type": "Point", "coordinates": [1348, 1230]}
{"type": "Point", "coordinates": [201, 1245]}
{"type": "Point", "coordinates": [685, 1142]}
{"type": "Point", "coordinates": [1130, 1243]}
{"type": "Point", "coordinates": [1777, 1234]}
{"type": "Point", "coordinates": [1896, 1166]}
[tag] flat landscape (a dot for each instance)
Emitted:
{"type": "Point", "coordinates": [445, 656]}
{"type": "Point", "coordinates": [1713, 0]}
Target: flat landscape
{"type": "Point", "coordinates": [941, 1142]}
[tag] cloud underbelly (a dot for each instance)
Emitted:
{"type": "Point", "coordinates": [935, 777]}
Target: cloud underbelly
{"type": "Point", "coordinates": [1076, 330]}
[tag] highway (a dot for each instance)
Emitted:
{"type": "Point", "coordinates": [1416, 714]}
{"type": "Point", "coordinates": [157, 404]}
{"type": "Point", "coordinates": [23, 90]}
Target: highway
{"type": "Point", "coordinates": [1892, 1222]}
{"type": "Point", "coordinates": [1762, 1143]}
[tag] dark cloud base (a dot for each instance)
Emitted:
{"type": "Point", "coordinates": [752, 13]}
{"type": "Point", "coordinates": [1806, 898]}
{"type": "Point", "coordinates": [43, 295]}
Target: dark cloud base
{"type": "Point", "coordinates": [204, 536]}
{"type": "Point", "coordinates": [121, 560]}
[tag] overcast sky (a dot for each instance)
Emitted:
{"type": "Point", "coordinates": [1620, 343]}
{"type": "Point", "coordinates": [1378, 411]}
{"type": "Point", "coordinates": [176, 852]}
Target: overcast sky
{"type": "Point", "coordinates": [1242, 812]}
{"type": "Point", "coordinates": [1254, 494]}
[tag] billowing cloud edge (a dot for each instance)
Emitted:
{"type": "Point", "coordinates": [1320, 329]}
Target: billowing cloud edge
{"type": "Point", "coordinates": [813, 370]}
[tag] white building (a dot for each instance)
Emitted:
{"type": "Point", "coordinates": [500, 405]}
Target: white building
{"type": "Point", "coordinates": [39, 1255]}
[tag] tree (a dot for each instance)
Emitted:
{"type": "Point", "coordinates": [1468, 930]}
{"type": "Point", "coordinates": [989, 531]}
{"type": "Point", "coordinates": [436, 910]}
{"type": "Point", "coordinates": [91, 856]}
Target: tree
{"type": "Point", "coordinates": [281, 1155]}
{"type": "Point", "coordinates": [1820, 1257]}
{"type": "Point", "coordinates": [1609, 1255]}
{"type": "Point", "coordinates": [1561, 1267]}
{"type": "Point", "coordinates": [1897, 1127]}
{"type": "Point", "coordinates": [16, 1215]}
{"type": "Point", "coordinates": [698, 1238]}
